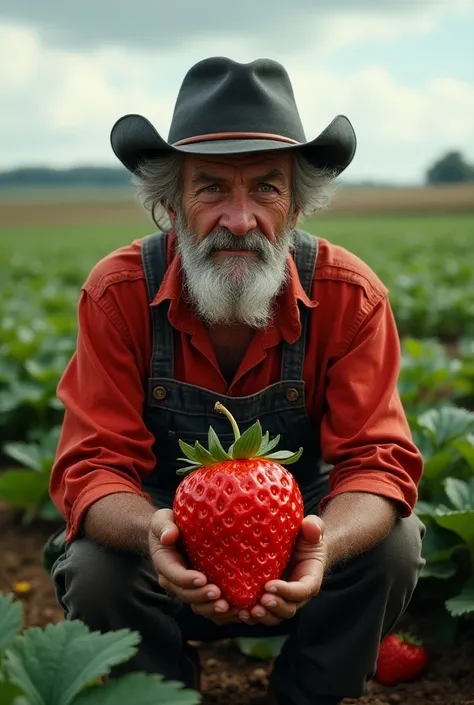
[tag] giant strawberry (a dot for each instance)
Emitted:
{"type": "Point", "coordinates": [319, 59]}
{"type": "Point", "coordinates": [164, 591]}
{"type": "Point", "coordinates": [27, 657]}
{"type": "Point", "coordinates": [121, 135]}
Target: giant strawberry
{"type": "Point", "coordinates": [238, 511]}
{"type": "Point", "coordinates": [401, 658]}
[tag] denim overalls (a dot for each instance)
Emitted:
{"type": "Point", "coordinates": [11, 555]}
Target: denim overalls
{"type": "Point", "coordinates": [333, 640]}
{"type": "Point", "coordinates": [177, 410]}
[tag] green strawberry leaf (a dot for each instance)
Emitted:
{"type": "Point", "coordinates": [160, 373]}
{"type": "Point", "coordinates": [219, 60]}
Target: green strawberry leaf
{"type": "Point", "coordinates": [215, 446]}
{"type": "Point", "coordinates": [270, 445]}
{"type": "Point", "coordinates": [464, 602]}
{"type": "Point", "coordinates": [190, 467]}
{"type": "Point", "coordinates": [447, 424]}
{"type": "Point", "coordinates": [53, 665]}
{"type": "Point", "coordinates": [265, 648]}
{"type": "Point", "coordinates": [460, 522]}
{"type": "Point", "coordinates": [459, 493]}
{"type": "Point", "coordinates": [139, 689]}
{"type": "Point", "coordinates": [202, 455]}
{"type": "Point", "coordinates": [442, 570]}
{"type": "Point", "coordinates": [11, 694]}
{"type": "Point", "coordinates": [27, 454]}
{"type": "Point", "coordinates": [249, 442]}
{"type": "Point", "coordinates": [285, 457]}
{"type": "Point", "coordinates": [188, 450]}
{"type": "Point", "coordinates": [23, 488]}
{"type": "Point", "coordinates": [465, 446]}
{"type": "Point", "coordinates": [11, 619]}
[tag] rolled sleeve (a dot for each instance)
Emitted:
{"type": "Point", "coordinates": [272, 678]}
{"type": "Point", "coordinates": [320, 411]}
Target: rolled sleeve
{"type": "Point", "coordinates": [104, 445]}
{"type": "Point", "coordinates": [365, 435]}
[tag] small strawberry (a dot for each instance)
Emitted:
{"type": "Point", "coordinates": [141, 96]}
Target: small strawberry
{"type": "Point", "coordinates": [401, 658]}
{"type": "Point", "coordinates": [238, 511]}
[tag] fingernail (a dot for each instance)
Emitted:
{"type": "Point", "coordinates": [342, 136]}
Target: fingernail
{"type": "Point", "coordinates": [244, 616]}
{"type": "Point", "coordinates": [219, 608]}
{"type": "Point", "coordinates": [272, 603]}
{"type": "Point", "coordinates": [198, 582]}
{"type": "Point", "coordinates": [211, 595]}
{"type": "Point", "coordinates": [272, 589]}
{"type": "Point", "coordinates": [259, 612]}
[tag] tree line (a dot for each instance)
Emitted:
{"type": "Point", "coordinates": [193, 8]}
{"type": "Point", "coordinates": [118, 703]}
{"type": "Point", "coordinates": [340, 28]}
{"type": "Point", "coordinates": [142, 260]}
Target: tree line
{"type": "Point", "coordinates": [449, 169]}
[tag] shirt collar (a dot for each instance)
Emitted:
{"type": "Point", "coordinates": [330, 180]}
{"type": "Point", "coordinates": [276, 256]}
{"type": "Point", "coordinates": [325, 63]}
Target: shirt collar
{"type": "Point", "coordinates": [182, 317]}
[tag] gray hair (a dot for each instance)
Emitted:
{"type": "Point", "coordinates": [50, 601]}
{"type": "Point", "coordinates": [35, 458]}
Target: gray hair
{"type": "Point", "coordinates": [157, 186]}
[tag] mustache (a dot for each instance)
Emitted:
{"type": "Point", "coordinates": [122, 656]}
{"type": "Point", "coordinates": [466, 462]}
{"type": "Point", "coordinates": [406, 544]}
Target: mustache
{"type": "Point", "coordinates": [222, 239]}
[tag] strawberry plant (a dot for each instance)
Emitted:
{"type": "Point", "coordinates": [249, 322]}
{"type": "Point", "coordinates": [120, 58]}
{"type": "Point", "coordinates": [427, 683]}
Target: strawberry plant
{"type": "Point", "coordinates": [446, 501]}
{"type": "Point", "coordinates": [238, 511]}
{"type": "Point", "coordinates": [65, 664]}
{"type": "Point", "coordinates": [27, 487]}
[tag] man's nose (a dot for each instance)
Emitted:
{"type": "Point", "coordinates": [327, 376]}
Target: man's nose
{"type": "Point", "coordinates": [238, 214]}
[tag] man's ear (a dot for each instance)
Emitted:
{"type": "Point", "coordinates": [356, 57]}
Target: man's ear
{"type": "Point", "coordinates": [172, 216]}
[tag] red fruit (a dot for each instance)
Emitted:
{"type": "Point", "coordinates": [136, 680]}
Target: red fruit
{"type": "Point", "coordinates": [401, 658]}
{"type": "Point", "coordinates": [238, 512]}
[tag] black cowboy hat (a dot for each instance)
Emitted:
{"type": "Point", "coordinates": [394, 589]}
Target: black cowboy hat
{"type": "Point", "coordinates": [223, 108]}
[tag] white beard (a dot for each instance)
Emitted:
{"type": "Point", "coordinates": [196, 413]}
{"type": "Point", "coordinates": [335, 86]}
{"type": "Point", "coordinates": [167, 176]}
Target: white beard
{"type": "Point", "coordinates": [234, 289]}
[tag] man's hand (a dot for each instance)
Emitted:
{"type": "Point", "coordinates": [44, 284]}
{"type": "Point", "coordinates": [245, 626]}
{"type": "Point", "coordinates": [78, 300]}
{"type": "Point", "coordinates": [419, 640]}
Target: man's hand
{"type": "Point", "coordinates": [174, 576]}
{"type": "Point", "coordinates": [282, 598]}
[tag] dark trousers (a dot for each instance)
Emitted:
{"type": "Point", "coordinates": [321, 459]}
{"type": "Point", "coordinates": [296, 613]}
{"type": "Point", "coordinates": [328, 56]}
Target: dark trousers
{"type": "Point", "coordinates": [333, 640]}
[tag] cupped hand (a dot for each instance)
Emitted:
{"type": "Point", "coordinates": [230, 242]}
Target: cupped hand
{"type": "Point", "coordinates": [176, 578]}
{"type": "Point", "coordinates": [283, 598]}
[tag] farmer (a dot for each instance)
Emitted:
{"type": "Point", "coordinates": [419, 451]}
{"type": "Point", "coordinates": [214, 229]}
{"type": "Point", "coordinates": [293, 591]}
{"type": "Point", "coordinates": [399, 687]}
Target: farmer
{"type": "Point", "coordinates": [234, 303]}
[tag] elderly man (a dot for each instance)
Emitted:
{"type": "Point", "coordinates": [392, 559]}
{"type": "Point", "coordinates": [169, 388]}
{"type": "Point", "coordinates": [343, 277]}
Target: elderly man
{"type": "Point", "coordinates": [234, 303]}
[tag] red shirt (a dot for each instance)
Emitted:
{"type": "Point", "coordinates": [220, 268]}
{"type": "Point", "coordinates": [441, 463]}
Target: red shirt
{"type": "Point", "coordinates": [350, 371]}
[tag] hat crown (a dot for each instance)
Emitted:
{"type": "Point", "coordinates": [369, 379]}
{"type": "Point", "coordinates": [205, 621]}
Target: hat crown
{"type": "Point", "coordinates": [221, 95]}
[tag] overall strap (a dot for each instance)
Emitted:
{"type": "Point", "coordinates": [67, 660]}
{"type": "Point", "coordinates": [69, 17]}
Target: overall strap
{"type": "Point", "coordinates": [155, 265]}
{"type": "Point", "coordinates": [305, 256]}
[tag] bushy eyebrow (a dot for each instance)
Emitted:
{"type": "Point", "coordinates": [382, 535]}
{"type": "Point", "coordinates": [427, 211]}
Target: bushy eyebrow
{"type": "Point", "coordinates": [202, 177]}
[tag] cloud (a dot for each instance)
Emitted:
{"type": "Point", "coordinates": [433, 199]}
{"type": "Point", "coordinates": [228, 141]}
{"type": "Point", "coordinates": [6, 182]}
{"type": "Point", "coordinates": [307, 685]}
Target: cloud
{"type": "Point", "coordinates": [59, 106]}
{"type": "Point", "coordinates": [160, 25]}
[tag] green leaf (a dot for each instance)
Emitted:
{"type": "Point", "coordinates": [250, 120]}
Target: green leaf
{"type": "Point", "coordinates": [53, 665]}
{"type": "Point", "coordinates": [437, 465]}
{"type": "Point", "coordinates": [266, 648]}
{"type": "Point", "coordinates": [285, 457]}
{"type": "Point", "coordinates": [23, 488]}
{"type": "Point", "coordinates": [459, 493]}
{"type": "Point", "coordinates": [26, 454]}
{"type": "Point", "coordinates": [270, 445]}
{"type": "Point", "coordinates": [439, 544]}
{"type": "Point", "coordinates": [465, 446]}
{"type": "Point", "coordinates": [11, 619]}
{"type": "Point", "coordinates": [461, 523]}
{"type": "Point", "coordinates": [442, 570]}
{"type": "Point", "coordinates": [464, 602]}
{"type": "Point", "coordinates": [424, 509]}
{"type": "Point", "coordinates": [139, 689]}
{"type": "Point", "coordinates": [249, 442]}
{"type": "Point", "coordinates": [188, 450]}
{"type": "Point", "coordinates": [11, 694]}
{"type": "Point", "coordinates": [202, 455]}
{"type": "Point", "coordinates": [447, 424]}
{"type": "Point", "coordinates": [215, 446]}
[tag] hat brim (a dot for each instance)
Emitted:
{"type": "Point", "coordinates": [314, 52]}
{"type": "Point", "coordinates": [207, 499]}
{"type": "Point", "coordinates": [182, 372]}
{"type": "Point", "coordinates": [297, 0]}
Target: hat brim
{"type": "Point", "coordinates": [135, 140]}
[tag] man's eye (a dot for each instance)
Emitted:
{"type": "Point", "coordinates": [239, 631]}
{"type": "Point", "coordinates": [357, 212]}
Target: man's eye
{"type": "Point", "coordinates": [267, 188]}
{"type": "Point", "coordinates": [213, 188]}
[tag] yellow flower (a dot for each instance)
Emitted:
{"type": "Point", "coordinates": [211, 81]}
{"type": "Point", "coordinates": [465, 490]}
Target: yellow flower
{"type": "Point", "coordinates": [22, 587]}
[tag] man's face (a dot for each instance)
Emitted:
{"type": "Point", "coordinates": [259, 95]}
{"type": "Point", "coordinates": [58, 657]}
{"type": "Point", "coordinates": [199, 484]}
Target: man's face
{"type": "Point", "coordinates": [234, 230]}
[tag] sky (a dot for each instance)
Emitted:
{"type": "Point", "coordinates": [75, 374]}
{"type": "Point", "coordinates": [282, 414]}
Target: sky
{"type": "Point", "coordinates": [402, 72]}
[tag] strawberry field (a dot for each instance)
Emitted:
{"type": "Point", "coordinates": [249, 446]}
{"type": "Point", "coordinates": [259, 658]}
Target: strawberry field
{"type": "Point", "coordinates": [428, 264]}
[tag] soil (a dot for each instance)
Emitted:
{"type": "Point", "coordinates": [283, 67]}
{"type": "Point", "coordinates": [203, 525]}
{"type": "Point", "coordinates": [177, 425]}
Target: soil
{"type": "Point", "coordinates": [229, 677]}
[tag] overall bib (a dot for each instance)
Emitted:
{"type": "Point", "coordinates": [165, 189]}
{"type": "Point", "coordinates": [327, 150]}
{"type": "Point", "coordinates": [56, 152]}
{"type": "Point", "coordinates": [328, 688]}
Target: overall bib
{"type": "Point", "coordinates": [332, 643]}
{"type": "Point", "coordinates": [176, 410]}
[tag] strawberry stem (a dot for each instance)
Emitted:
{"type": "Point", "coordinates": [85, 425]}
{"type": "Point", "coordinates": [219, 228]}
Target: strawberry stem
{"type": "Point", "coordinates": [222, 410]}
